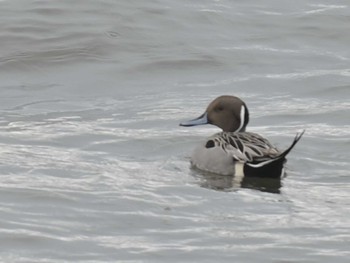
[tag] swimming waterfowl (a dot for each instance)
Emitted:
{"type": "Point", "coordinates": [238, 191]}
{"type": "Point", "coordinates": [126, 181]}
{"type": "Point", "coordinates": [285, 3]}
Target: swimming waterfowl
{"type": "Point", "coordinates": [235, 151]}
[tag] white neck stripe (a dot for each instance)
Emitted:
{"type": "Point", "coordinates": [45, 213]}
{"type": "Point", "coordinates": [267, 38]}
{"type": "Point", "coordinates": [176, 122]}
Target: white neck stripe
{"type": "Point", "coordinates": [242, 113]}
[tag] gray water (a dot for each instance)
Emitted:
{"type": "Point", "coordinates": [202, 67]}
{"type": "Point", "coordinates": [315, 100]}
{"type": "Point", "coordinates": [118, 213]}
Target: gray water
{"type": "Point", "coordinates": [94, 167]}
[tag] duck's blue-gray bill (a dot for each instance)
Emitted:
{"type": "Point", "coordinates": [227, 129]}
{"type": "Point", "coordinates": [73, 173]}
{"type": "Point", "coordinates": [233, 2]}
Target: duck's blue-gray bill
{"type": "Point", "coordinates": [203, 119]}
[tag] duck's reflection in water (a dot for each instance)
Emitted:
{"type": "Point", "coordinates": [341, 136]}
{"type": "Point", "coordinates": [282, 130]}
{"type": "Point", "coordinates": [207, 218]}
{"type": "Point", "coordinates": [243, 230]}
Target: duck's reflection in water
{"type": "Point", "coordinates": [230, 183]}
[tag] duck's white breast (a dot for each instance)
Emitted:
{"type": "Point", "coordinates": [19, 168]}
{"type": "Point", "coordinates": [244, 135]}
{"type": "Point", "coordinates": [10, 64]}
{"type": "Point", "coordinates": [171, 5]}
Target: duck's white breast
{"type": "Point", "coordinates": [213, 159]}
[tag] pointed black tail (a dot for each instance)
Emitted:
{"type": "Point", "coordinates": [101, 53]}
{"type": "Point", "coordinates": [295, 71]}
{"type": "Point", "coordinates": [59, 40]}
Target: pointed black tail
{"type": "Point", "coordinates": [272, 168]}
{"type": "Point", "coordinates": [296, 139]}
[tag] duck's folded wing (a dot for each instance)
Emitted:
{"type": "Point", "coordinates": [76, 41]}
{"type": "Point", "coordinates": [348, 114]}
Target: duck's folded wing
{"type": "Point", "coordinates": [245, 146]}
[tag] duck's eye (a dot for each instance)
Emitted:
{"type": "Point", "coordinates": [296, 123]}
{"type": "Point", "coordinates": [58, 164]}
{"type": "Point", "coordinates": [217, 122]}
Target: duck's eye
{"type": "Point", "coordinates": [219, 108]}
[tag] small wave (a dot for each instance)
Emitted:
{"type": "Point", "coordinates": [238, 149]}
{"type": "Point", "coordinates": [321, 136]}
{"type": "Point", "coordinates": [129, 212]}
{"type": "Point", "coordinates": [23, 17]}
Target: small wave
{"type": "Point", "coordinates": [316, 130]}
{"type": "Point", "coordinates": [180, 64]}
{"type": "Point", "coordinates": [293, 75]}
{"type": "Point", "coordinates": [320, 8]}
{"type": "Point", "coordinates": [262, 48]}
{"type": "Point", "coordinates": [308, 74]}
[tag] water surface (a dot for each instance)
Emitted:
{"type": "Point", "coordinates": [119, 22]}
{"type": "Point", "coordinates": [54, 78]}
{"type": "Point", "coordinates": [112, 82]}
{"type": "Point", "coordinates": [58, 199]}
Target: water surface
{"type": "Point", "coordinates": [94, 167]}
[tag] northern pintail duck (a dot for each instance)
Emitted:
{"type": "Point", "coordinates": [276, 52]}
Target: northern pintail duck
{"type": "Point", "coordinates": [235, 151]}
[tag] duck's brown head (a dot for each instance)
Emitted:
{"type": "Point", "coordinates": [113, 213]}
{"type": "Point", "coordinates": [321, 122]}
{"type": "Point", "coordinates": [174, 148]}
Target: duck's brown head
{"type": "Point", "coordinates": [229, 113]}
